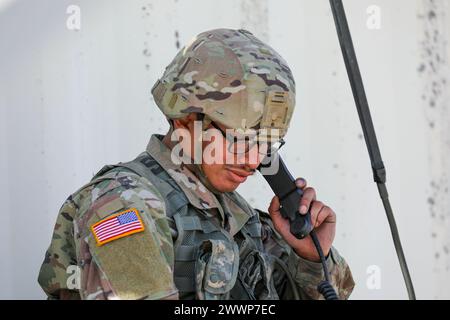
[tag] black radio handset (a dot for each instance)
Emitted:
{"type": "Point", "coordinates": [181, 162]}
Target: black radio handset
{"type": "Point", "coordinates": [283, 185]}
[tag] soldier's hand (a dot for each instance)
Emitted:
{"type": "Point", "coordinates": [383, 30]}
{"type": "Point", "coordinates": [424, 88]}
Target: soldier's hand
{"type": "Point", "coordinates": [323, 219]}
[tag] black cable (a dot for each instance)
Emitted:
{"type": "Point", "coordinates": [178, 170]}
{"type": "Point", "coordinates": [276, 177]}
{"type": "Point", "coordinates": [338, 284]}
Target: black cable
{"type": "Point", "coordinates": [325, 288]}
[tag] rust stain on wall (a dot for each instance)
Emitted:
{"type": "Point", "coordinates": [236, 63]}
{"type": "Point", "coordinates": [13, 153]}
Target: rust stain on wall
{"type": "Point", "coordinates": [434, 70]}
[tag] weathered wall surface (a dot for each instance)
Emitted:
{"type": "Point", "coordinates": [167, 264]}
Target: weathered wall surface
{"type": "Point", "coordinates": [73, 100]}
{"type": "Point", "coordinates": [434, 70]}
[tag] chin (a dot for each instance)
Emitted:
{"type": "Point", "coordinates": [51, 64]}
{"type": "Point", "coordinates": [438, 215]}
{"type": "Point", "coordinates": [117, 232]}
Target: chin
{"type": "Point", "coordinates": [231, 189]}
{"type": "Point", "coordinates": [225, 186]}
{"type": "Point", "coordinates": [220, 180]}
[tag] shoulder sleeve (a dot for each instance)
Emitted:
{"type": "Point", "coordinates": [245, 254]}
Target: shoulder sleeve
{"type": "Point", "coordinates": [57, 272]}
{"type": "Point", "coordinates": [124, 245]}
{"type": "Point", "coordinates": [306, 274]}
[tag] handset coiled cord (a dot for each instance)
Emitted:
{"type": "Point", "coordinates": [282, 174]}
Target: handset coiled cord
{"type": "Point", "coordinates": [325, 288]}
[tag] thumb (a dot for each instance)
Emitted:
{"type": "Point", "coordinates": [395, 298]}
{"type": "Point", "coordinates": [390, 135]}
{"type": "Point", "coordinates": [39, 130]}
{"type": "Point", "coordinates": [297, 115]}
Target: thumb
{"type": "Point", "coordinates": [274, 211]}
{"type": "Point", "coordinates": [280, 223]}
{"type": "Point", "coordinates": [274, 207]}
{"type": "Point", "coordinates": [300, 183]}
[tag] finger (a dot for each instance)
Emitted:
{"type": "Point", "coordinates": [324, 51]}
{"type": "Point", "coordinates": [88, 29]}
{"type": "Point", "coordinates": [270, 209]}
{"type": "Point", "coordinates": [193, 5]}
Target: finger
{"type": "Point", "coordinates": [316, 209]}
{"type": "Point", "coordinates": [309, 195]}
{"type": "Point", "coordinates": [300, 183]}
{"type": "Point", "coordinates": [274, 207]}
{"type": "Point", "coordinates": [321, 213]}
{"type": "Point", "coordinates": [279, 222]}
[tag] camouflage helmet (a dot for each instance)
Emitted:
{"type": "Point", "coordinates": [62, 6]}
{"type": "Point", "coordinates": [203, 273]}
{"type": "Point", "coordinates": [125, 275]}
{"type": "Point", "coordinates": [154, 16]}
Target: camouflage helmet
{"type": "Point", "coordinates": [232, 78]}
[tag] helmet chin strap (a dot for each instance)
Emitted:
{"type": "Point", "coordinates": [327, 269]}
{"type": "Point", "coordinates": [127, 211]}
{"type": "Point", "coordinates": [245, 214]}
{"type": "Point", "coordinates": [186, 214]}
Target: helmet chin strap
{"type": "Point", "coordinates": [198, 171]}
{"type": "Point", "coordinates": [196, 167]}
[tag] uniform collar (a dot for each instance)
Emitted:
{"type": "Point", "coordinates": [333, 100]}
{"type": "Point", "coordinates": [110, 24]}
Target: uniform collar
{"type": "Point", "coordinates": [196, 192]}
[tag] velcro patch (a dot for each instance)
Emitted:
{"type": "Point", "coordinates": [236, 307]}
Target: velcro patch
{"type": "Point", "coordinates": [117, 226]}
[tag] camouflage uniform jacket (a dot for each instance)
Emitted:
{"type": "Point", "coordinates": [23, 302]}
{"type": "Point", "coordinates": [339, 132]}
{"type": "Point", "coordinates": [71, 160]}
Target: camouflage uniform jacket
{"type": "Point", "coordinates": [140, 264]}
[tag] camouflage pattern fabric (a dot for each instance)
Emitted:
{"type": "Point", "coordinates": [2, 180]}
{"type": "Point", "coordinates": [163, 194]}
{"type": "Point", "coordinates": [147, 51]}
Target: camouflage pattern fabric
{"type": "Point", "coordinates": [140, 266]}
{"type": "Point", "coordinates": [119, 269]}
{"type": "Point", "coordinates": [233, 78]}
{"type": "Point", "coordinates": [216, 269]}
{"type": "Point", "coordinates": [196, 192]}
{"type": "Point", "coordinates": [307, 274]}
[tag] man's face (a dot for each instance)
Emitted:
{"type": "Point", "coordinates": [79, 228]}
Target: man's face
{"type": "Point", "coordinates": [224, 167]}
{"type": "Point", "coordinates": [231, 167]}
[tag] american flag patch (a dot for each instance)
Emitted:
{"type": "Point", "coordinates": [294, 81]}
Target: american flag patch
{"type": "Point", "coordinates": [117, 226]}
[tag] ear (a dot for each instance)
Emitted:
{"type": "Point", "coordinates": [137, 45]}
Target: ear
{"type": "Point", "coordinates": [185, 122]}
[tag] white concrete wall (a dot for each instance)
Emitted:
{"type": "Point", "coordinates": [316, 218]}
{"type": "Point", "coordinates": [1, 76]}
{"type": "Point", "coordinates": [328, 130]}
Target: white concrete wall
{"type": "Point", "coordinates": [71, 101]}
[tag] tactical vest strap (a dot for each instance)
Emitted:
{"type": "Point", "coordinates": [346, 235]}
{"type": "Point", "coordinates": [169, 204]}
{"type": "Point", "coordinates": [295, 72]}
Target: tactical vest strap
{"type": "Point", "coordinates": [193, 229]}
{"type": "Point", "coordinates": [176, 205]}
{"type": "Point", "coordinates": [192, 223]}
{"type": "Point", "coordinates": [185, 284]}
{"type": "Point", "coordinates": [186, 253]}
{"type": "Point", "coordinates": [146, 166]}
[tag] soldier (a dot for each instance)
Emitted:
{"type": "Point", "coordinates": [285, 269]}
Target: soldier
{"type": "Point", "coordinates": [165, 227]}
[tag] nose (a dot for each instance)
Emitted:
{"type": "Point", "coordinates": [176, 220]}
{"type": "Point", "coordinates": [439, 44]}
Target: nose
{"type": "Point", "coordinates": [253, 165]}
{"type": "Point", "coordinates": [252, 158]}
